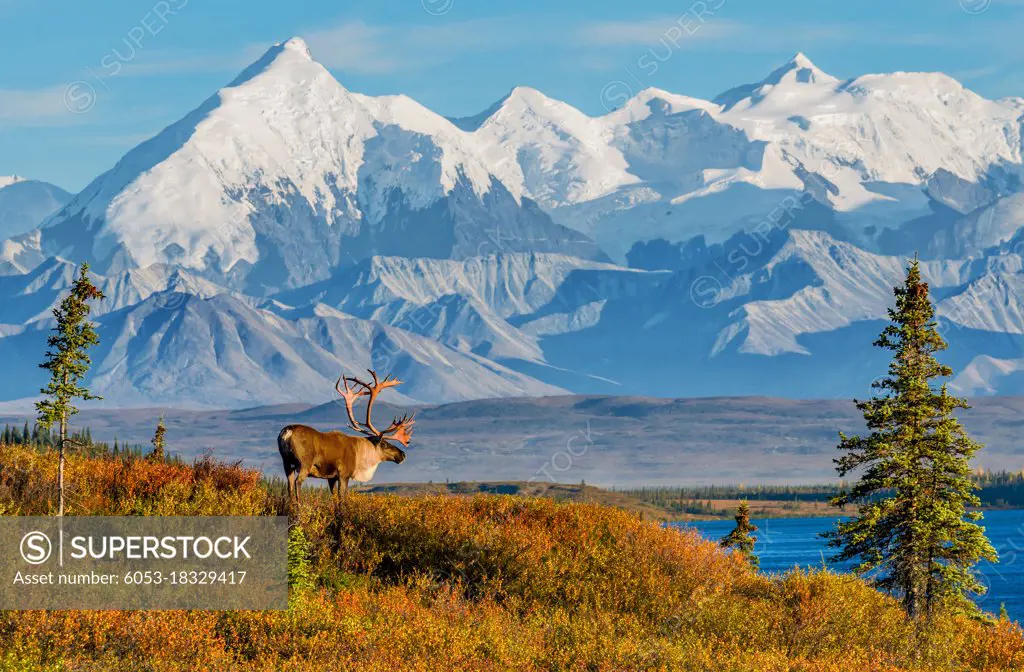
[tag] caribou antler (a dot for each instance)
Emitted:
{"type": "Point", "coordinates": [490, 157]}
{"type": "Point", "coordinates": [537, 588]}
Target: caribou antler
{"type": "Point", "coordinates": [373, 390]}
{"type": "Point", "coordinates": [350, 396]}
{"type": "Point", "coordinates": [399, 430]}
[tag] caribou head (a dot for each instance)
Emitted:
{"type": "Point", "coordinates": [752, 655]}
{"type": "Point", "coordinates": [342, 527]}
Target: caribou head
{"type": "Point", "coordinates": [400, 429]}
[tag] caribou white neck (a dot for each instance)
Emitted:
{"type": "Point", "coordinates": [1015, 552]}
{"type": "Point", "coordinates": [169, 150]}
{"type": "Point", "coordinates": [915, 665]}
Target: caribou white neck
{"type": "Point", "coordinates": [367, 462]}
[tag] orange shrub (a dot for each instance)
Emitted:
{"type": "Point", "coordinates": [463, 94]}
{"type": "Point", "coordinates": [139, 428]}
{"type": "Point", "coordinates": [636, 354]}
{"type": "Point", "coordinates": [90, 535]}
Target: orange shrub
{"type": "Point", "coordinates": [125, 487]}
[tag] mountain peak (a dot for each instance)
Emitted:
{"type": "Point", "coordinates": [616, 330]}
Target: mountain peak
{"type": "Point", "coordinates": [654, 100]}
{"type": "Point", "coordinates": [292, 53]}
{"type": "Point", "coordinates": [8, 180]}
{"type": "Point", "coordinates": [800, 60]}
{"type": "Point", "coordinates": [296, 45]}
{"type": "Point", "coordinates": [799, 69]}
{"type": "Point", "coordinates": [518, 97]}
{"type": "Point", "coordinates": [524, 93]}
{"type": "Point", "coordinates": [523, 98]}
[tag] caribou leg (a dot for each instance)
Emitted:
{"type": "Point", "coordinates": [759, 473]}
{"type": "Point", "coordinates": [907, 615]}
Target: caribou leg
{"type": "Point", "coordinates": [299, 478]}
{"type": "Point", "coordinates": [293, 493]}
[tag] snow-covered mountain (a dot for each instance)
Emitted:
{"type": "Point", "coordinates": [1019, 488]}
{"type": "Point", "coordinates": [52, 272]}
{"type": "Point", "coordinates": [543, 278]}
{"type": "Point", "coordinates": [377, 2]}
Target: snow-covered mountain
{"type": "Point", "coordinates": [289, 229]}
{"type": "Point", "coordinates": [24, 204]}
{"type": "Point", "coordinates": [667, 166]}
{"type": "Point", "coordinates": [284, 175]}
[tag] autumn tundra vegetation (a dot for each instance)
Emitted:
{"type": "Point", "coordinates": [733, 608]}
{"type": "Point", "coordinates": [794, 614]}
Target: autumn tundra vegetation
{"type": "Point", "coordinates": [488, 582]}
{"type": "Point", "coordinates": [499, 582]}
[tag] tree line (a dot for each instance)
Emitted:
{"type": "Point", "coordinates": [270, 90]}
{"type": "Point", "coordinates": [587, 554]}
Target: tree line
{"type": "Point", "coordinates": [42, 438]}
{"type": "Point", "coordinates": [998, 488]}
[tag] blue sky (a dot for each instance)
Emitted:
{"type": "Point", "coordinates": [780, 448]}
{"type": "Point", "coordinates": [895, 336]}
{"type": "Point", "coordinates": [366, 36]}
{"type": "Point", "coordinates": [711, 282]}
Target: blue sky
{"type": "Point", "coordinates": [127, 68]}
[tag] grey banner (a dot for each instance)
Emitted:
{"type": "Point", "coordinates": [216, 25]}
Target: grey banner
{"type": "Point", "coordinates": [143, 562]}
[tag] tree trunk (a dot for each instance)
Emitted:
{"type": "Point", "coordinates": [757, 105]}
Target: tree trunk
{"type": "Point", "coordinates": [60, 464]}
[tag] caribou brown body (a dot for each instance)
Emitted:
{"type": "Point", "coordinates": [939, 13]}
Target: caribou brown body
{"type": "Point", "coordinates": [334, 456]}
{"type": "Point", "coordinates": [337, 457]}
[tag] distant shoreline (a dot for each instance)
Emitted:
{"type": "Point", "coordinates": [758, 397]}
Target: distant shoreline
{"type": "Point", "coordinates": [836, 514]}
{"type": "Point", "coordinates": [655, 503]}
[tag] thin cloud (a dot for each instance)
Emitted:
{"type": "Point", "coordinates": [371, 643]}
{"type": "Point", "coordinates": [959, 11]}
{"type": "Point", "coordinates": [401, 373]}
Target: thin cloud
{"type": "Point", "coordinates": [186, 62]}
{"type": "Point", "coordinates": [357, 47]}
{"type": "Point", "coordinates": [360, 48]}
{"type": "Point", "coordinates": [37, 107]}
{"type": "Point", "coordinates": [644, 32]}
{"type": "Point", "coordinates": [975, 73]}
{"type": "Point", "coordinates": [716, 32]}
{"type": "Point", "coordinates": [375, 49]}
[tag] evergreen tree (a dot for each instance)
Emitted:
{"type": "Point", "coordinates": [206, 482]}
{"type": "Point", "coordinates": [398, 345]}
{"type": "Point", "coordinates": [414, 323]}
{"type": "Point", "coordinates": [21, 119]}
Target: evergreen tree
{"type": "Point", "coordinates": [6, 440]}
{"type": "Point", "coordinates": [300, 575]}
{"type": "Point", "coordinates": [68, 362]}
{"type": "Point", "coordinates": [26, 437]}
{"type": "Point", "coordinates": [912, 532]}
{"type": "Point", "coordinates": [741, 538]}
{"type": "Point", "coordinates": [158, 441]}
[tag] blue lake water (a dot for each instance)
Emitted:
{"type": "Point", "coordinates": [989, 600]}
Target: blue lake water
{"type": "Point", "coordinates": [784, 543]}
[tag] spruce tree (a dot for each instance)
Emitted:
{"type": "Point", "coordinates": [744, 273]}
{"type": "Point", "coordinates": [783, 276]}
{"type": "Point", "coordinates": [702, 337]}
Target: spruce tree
{"type": "Point", "coordinates": [912, 532]}
{"type": "Point", "coordinates": [68, 362]}
{"type": "Point", "coordinates": [158, 441]}
{"type": "Point", "coordinates": [741, 538]}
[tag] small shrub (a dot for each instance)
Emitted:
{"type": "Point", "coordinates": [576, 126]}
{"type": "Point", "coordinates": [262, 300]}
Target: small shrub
{"type": "Point", "coordinates": [300, 576]}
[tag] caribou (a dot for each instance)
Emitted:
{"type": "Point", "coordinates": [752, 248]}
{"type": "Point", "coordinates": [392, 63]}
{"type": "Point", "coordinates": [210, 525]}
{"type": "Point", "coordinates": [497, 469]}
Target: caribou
{"type": "Point", "coordinates": [337, 457]}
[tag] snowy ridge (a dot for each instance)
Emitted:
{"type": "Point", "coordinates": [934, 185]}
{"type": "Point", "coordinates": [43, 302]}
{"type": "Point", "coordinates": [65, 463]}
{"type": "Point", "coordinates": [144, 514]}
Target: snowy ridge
{"type": "Point", "coordinates": [20, 254]}
{"type": "Point", "coordinates": [987, 375]}
{"type": "Point", "coordinates": [849, 285]}
{"type": "Point", "coordinates": [24, 204]}
{"type": "Point", "coordinates": [476, 304]}
{"type": "Point", "coordinates": [514, 284]}
{"type": "Point", "coordinates": [186, 350]}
